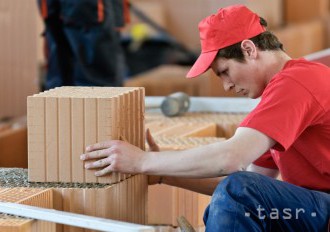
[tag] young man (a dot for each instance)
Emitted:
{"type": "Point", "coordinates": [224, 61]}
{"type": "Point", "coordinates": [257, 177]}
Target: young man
{"type": "Point", "coordinates": [288, 132]}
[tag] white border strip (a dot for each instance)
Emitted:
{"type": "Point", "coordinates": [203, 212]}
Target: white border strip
{"type": "Point", "coordinates": [71, 219]}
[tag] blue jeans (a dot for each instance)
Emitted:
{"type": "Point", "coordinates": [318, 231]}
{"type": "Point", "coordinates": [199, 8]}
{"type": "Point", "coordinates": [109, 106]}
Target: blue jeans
{"type": "Point", "coordinates": [247, 201]}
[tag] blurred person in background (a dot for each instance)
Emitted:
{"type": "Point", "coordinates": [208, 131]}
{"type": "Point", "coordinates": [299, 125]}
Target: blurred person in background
{"type": "Point", "coordinates": [82, 42]}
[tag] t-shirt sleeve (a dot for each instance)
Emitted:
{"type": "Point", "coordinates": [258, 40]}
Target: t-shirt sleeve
{"type": "Point", "coordinates": [286, 109]}
{"type": "Point", "coordinates": [266, 161]}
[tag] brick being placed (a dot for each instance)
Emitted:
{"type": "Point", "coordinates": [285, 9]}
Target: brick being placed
{"type": "Point", "coordinates": [124, 201]}
{"type": "Point", "coordinates": [226, 123]}
{"type": "Point", "coordinates": [63, 121]}
{"type": "Point", "coordinates": [167, 203]}
{"type": "Point", "coordinates": [28, 196]}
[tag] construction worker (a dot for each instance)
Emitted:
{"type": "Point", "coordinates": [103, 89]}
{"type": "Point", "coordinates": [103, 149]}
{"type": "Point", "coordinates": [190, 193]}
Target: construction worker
{"type": "Point", "coordinates": [288, 133]}
{"type": "Point", "coordinates": [83, 42]}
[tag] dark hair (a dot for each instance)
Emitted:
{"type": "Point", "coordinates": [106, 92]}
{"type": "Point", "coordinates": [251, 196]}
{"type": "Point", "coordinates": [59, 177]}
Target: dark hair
{"type": "Point", "coordinates": [264, 41]}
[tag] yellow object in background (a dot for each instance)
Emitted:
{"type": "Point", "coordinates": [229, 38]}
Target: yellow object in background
{"type": "Point", "coordinates": [139, 33]}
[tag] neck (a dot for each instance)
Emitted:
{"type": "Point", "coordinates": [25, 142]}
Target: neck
{"type": "Point", "coordinates": [274, 63]}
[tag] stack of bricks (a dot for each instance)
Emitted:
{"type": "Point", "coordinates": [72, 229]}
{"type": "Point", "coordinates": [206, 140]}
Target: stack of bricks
{"type": "Point", "coordinates": [28, 196]}
{"type": "Point", "coordinates": [226, 123]}
{"type": "Point", "coordinates": [166, 143]}
{"type": "Point", "coordinates": [122, 201]}
{"type": "Point", "coordinates": [61, 123]}
{"type": "Point", "coordinates": [184, 129]}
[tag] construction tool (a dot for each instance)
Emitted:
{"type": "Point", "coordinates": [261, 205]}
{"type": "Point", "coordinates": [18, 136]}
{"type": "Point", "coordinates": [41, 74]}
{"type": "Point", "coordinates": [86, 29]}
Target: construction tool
{"type": "Point", "coordinates": [71, 219]}
{"type": "Point", "coordinates": [173, 105]}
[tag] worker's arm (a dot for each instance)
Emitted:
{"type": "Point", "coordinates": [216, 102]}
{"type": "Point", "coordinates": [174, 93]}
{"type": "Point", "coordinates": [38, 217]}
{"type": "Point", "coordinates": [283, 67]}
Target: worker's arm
{"type": "Point", "coordinates": [214, 160]}
{"type": "Point", "coordinates": [205, 185]}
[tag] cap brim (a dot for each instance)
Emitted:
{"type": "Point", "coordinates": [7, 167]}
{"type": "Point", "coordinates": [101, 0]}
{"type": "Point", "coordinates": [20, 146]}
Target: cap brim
{"type": "Point", "coordinates": [202, 64]}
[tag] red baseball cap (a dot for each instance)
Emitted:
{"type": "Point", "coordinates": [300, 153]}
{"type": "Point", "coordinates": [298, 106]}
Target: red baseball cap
{"type": "Point", "coordinates": [228, 26]}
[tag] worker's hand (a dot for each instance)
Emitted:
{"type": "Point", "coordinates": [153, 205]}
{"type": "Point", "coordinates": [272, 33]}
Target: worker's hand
{"type": "Point", "coordinates": [152, 147]}
{"type": "Point", "coordinates": [114, 156]}
{"type": "Point", "coordinates": [151, 142]}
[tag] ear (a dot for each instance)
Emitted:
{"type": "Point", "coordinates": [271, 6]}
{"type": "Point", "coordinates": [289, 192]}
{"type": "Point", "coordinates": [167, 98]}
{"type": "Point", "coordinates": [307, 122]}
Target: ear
{"type": "Point", "coordinates": [249, 49]}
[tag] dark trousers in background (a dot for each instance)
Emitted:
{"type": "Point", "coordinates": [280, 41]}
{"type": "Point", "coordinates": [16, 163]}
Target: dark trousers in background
{"type": "Point", "coordinates": [247, 201]}
{"type": "Point", "coordinates": [83, 44]}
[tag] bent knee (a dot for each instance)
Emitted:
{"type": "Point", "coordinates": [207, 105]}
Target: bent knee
{"type": "Point", "coordinates": [242, 179]}
{"type": "Point", "coordinates": [238, 183]}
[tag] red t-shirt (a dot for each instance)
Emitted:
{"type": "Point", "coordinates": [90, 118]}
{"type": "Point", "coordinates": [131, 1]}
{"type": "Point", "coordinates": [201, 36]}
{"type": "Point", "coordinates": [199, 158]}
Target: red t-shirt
{"type": "Point", "coordinates": [295, 111]}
